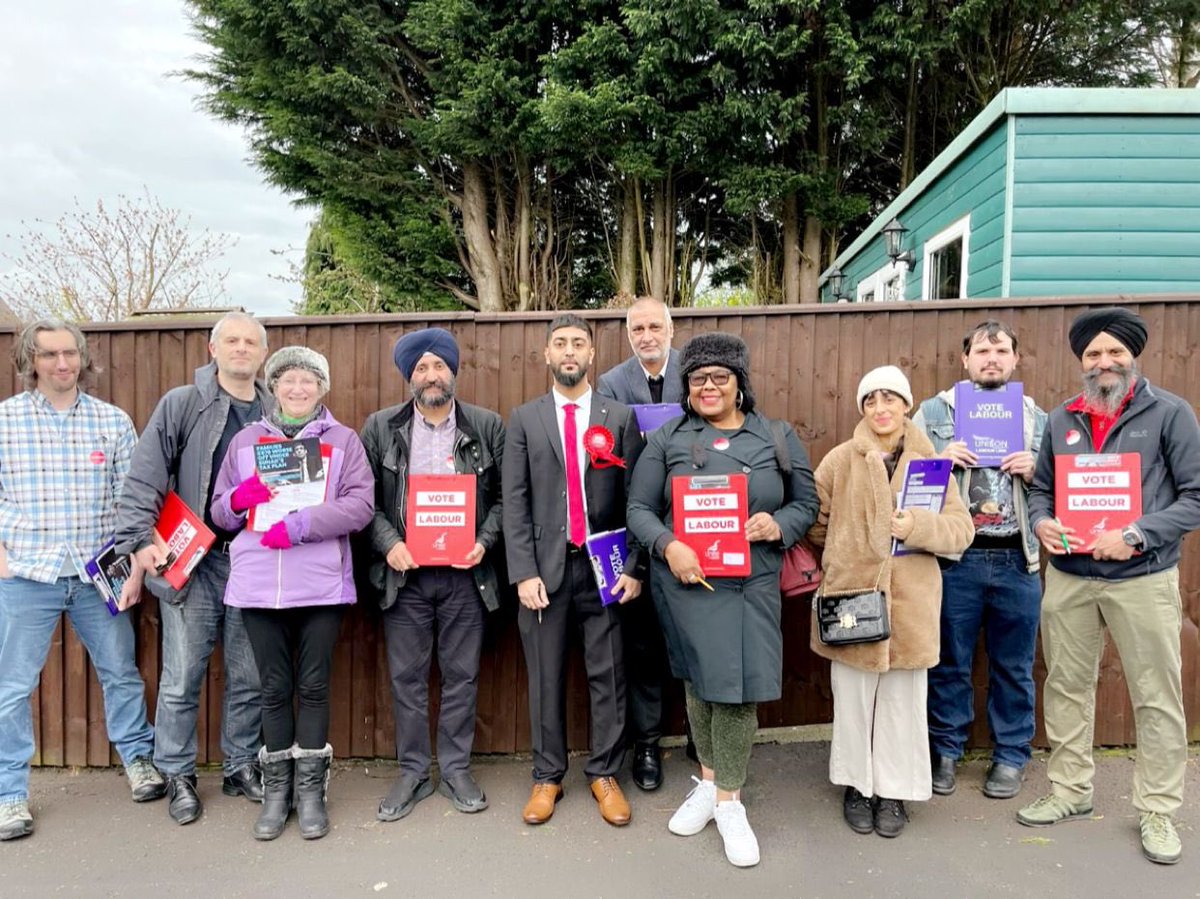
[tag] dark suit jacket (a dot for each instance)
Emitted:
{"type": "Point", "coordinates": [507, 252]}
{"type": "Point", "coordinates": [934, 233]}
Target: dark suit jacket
{"type": "Point", "coordinates": [626, 383]}
{"type": "Point", "coordinates": [534, 488]}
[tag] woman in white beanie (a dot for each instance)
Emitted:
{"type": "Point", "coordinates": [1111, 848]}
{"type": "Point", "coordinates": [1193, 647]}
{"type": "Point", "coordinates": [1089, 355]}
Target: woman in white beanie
{"type": "Point", "coordinates": [880, 748]}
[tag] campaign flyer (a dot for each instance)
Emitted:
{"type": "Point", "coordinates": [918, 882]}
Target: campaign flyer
{"type": "Point", "coordinates": [608, 552]}
{"type": "Point", "coordinates": [295, 471]}
{"type": "Point", "coordinates": [709, 514]}
{"type": "Point", "coordinates": [109, 570]}
{"type": "Point", "coordinates": [184, 539]}
{"type": "Point", "coordinates": [652, 416]}
{"type": "Point", "coordinates": [925, 483]}
{"type": "Point", "coordinates": [440, 518]}
{"type": "Point", "coordinates": [990, 421]}
{"type": "Point", "coordinates": [1097, 492]}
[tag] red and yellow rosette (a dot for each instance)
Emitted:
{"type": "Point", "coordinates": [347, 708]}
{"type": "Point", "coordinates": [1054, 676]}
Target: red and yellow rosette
{"type": "Point", "coordinates": [598, 442]}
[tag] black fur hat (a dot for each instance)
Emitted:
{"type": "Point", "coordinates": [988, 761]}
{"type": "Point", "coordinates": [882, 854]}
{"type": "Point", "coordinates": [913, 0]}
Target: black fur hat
{"type": "Point", "coordinates": [719, 348]}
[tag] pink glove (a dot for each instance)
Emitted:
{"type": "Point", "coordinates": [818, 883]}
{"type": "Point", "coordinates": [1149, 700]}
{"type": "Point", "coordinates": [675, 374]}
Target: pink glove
{"type": "Point", "coordinates": [277, 537]}
{"type": "Point", "coordinates": [250, 492]}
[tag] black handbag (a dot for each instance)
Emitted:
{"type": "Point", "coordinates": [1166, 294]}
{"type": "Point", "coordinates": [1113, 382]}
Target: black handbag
{"type": "Point", "coordinates": [858, 617]}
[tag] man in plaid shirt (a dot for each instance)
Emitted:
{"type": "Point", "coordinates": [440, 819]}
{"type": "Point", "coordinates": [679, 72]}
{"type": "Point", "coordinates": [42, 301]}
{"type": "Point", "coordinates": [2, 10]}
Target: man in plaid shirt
{"type": "Point", "coordinates": [63, 458]}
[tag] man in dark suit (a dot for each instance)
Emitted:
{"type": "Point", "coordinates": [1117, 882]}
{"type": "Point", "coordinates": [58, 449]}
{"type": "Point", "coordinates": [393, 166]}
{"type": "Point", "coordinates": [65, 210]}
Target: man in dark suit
{"type": "Point", "coordinates": [557, 489]}
{"type": "Point", "coordinates": [651, 375]}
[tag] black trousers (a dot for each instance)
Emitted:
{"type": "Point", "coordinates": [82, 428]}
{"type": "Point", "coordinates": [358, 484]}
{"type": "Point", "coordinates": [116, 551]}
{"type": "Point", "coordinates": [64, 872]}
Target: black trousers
{"type": "Point", "coordinates": [646, 667]}
{"type": "Point", "coordinates": [438, 605]}
{"type": "Point", "coordinates": [293, 649]}
{"type": "Point", "coordinates": [546, 643]}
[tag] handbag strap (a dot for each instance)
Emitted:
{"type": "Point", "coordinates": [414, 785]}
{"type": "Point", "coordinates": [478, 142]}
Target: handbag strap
{"type": "Point", "coordinates": [878, 578]}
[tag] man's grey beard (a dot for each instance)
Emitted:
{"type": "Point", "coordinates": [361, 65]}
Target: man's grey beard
{"type": "Point", "coordinates": [444, 396]}
{"type": "Point", "coordinates": [570, 380]}
{"type": "Point", "coordinates": [1108, 399]}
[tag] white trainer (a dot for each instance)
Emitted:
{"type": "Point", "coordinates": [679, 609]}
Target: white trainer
{"type": "Point", "coordinates": [697, 810]}
{"type": "Point", "coordinates": [741, 846]}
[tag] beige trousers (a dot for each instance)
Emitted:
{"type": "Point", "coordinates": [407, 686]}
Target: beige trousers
{"type": "Point", "coordinates": [1144, 616]}
{"type": "Point", "coordinates": [880, 736]}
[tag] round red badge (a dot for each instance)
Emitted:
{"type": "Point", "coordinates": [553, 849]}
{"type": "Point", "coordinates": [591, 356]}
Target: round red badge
{"type": "Point", "coordinates": [721, 443]}
{"type": "Point", "coordinates": [97, 457]}
{"type": "Point", "coordinates": [598, 441]}
{"type": "Point", "coordinates": [1073, 437]}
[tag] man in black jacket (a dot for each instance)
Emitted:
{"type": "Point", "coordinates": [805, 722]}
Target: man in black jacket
{"type": "Point", "coordinates": [650, 375]}
{"type": "Point", "coordinates": [433, 434]}
{"type": "Point", "coordinates": [554, 497]}
{"type": "Point", "coordinates": [1124, 578]}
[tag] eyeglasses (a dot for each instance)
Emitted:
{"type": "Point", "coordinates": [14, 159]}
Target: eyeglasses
{"type": "Point", "coordinates": [49, 355]}
{"type": "Point", "coordinates": [719, 378]}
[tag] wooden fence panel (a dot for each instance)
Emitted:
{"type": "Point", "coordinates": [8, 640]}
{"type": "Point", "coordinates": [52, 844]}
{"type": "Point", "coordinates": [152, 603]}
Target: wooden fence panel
{"type": "Point", "coordinates": [806, 364]}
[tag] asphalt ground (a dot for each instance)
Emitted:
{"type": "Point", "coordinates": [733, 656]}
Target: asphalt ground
{"type": "Point", "coordinates": [90, 840]}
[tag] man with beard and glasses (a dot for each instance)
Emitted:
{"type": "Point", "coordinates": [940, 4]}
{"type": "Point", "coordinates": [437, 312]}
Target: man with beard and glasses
{"type": "Point", "coordinates": [1128, 583]}
{"type": "Point", "coordinates": [433, 433]}
{"type": "Point", "coordinates": [993, 587]}
{"type": "Point", "coordinates": [558, 489]}
{"type": "Point", "coordinates": [651, 375]}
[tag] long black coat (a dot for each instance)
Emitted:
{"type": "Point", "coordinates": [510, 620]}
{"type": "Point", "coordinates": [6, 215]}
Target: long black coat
{"type": "Point", "coordinates": [728, 644]}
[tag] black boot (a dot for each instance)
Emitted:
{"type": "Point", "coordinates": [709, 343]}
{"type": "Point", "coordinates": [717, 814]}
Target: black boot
{"type": "Point", "coordinates": [278, 777]}
{"type": "Point", "coordinates": [312, 777]}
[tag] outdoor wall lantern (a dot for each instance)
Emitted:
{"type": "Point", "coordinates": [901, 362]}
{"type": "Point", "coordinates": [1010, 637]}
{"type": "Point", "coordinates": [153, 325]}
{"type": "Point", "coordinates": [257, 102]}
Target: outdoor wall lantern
{"type": "Point", "coordinates": [893, 237]}
{"type": "Point", "coordinates": [837, 281]}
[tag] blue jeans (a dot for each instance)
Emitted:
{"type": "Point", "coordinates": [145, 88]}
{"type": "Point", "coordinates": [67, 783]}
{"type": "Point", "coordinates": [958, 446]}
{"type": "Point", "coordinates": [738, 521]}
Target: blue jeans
{"type": "Point", "coordinates": [190, 630]}
{"type": "Point", "coordinates": [29, 611]}
{"type": "Point", "coordinates": [992, 590]}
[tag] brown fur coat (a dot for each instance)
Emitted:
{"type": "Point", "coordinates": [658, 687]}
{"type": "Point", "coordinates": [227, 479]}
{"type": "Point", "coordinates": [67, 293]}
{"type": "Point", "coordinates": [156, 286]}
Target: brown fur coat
{"type": "Point", "coordinates": [854, 526]}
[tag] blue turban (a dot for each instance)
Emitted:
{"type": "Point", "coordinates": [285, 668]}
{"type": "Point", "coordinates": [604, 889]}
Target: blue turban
{"type": "Point", "coordinates": [412, 346]}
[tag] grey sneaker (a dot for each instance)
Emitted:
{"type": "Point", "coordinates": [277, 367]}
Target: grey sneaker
{"type": "Point", "coordinates": [15, 820]}
{"type": "Point", "coordinates": [1160, 842]}
{"type": "Point", "coordinates": [1050, 810]}
{"type": "Point", "coordinates": [145, 781]}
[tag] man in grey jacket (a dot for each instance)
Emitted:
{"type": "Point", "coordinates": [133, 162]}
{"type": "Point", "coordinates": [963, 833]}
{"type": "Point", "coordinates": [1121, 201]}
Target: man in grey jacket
{"type": "Point", "coordinates": [182, 449]}
{"type": "Point", "coordinates": [1125, 578]}
{"type": "Point", "coordinates": [994, 586]}
{"type": "Point", "coordinates": [430, 606]}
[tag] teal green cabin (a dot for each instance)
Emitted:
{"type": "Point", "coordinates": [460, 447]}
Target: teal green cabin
{"type": "Point", "coordinates": [1048, 192]}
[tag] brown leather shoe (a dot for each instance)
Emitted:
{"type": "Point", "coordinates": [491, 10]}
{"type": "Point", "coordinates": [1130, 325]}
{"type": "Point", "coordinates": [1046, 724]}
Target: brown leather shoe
{"type": "Point", "coordinates": [541, 802]}
{"type": "Point", "coordinates": [613, 807]}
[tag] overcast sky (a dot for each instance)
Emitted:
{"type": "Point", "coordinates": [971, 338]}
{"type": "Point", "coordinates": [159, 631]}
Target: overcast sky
{"type": "Point", "coordinates": [89, 109]}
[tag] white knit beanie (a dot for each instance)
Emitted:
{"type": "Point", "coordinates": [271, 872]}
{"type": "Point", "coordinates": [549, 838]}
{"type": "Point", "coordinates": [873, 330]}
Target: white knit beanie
{"type": "Point", "coordinates": [886, 377]}
{"type": "Point", "coordinates": [289, 357]}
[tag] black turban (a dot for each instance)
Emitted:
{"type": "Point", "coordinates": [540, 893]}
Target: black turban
{"type": "Point", "coordinates": [412, 346]}
{"type": "Point", "coordinates": [1125, 326]}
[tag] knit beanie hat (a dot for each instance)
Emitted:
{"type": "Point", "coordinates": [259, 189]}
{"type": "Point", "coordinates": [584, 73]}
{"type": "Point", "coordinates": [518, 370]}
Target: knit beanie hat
{"type": "Point", "coordinates": [719, 348]}
{"type": "Point", "coordinates": [886, 377]}
{"type": "Point", "coordinates": [289, 357]}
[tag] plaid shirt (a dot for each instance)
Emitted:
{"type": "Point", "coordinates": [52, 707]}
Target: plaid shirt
{"type": "Point", "coordinates": [60, 477]}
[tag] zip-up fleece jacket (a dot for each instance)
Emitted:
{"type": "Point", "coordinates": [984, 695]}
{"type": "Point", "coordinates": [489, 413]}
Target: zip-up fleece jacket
{"type": "Point", "coordinates": [478, 450]}
{"type": "Point", "coordinates": [316, 570]}
{"type": "Point", "coordinates": [1162, 429]}
{"type": "Point", "coordinates": [175, 453]}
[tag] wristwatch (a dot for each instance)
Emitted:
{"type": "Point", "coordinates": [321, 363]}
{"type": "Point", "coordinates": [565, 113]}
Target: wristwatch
{"type": "Point", "coordinates": [1132, 537]}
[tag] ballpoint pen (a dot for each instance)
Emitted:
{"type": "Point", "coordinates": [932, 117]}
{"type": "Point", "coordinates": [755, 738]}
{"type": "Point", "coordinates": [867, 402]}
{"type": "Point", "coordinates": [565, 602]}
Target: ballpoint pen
{"type": "Point", "coordinates": [1066, 544]}
{"type": "Point", "coordinates": [706, 585]}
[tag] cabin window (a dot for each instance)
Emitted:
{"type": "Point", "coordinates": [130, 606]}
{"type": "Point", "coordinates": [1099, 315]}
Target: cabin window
{"type": "Point", "coordinates": [944, 273]}
{"type": "Point", "coordinates": [885, 285]}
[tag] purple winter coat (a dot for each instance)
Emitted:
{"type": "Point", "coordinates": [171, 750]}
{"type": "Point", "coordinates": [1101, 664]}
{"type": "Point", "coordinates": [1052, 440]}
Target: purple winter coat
{"type": "Point", "coordinates": [316, 570]}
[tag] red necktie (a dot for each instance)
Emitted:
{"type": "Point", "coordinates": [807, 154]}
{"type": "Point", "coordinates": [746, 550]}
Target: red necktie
{"type": "Point", "coordinates": [575, 516]}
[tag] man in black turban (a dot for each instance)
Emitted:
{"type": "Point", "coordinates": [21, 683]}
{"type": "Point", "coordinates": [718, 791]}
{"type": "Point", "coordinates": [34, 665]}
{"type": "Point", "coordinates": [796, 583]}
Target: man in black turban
{"type": "Point", "coordinates": [1127, 327]}
{"type": "Point", "coordinates": [1118, 569]}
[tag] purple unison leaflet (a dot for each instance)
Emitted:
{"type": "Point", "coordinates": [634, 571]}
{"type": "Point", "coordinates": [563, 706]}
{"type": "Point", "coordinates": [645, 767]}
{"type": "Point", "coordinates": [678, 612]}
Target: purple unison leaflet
{"type": "Point", "coordinates": [925, 483]}
{"type": "Point", "coordinates": [651, 416]}
{"type": "Point", "coordinates": [108, 571]}
{"type": "Point", "coordinates": [990, 421]}
{"type": "Point", "coordinates": [608, 553]}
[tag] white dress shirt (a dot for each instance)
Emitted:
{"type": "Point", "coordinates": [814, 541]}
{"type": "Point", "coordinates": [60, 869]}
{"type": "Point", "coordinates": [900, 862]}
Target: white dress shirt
{"type": "Point", "coordinates": [583, 417]}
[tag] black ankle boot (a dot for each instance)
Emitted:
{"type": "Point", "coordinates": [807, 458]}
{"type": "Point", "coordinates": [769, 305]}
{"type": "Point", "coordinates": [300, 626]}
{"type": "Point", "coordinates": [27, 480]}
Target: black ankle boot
{"type": "Point", "coordinates": [278, 775]}
{"type": "Point", "coordinates": [312, 777]}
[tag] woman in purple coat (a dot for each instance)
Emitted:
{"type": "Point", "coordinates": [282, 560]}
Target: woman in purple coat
{"type": "Point", "coordinates": [293, 580]}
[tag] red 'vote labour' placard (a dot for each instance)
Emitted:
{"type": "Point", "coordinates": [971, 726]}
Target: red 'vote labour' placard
{"type": "Point", "coordinates": [710, 517]}
{"type": "Point", "coordinates": [440, 519]}
{"type": "Point", "coordinates": [1097, 492]}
